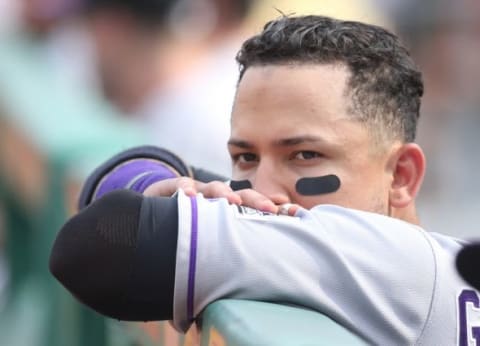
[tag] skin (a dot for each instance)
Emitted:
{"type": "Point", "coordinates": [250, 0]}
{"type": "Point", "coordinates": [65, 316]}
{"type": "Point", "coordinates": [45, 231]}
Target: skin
{"type": "Point", "coordinates": [292, 121]}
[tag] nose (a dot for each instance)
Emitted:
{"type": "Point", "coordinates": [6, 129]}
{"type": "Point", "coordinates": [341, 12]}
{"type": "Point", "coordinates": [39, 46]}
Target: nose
{"type": "Point", "coordinates": [268, 181]}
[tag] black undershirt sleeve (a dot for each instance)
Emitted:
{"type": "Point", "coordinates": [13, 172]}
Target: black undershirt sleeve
{"type": "Point", "coordinates": [118, 255]}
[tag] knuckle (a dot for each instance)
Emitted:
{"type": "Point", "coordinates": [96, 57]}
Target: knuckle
{"type": "Point", "coordinates": [185, 182]}
{"type": "Point", "coordinates": [217, 187]}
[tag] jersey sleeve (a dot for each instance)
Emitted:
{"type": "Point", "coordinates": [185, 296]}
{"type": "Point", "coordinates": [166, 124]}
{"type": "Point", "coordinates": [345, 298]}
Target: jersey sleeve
{"type": "Point", "coordinates": [373, 274]}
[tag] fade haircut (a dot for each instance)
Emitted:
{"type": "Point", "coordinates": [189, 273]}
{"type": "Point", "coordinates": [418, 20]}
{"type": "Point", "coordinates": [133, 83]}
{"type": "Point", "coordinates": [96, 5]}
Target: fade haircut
{"type": "Point", "coordinates": [384, 86]}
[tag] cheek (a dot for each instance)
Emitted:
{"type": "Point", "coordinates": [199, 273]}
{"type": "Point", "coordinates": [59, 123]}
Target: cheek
{"type": "Point", "coordinates": [365, 192]}
{"type": "Point", "coordinates": [240, 175]}
{"type": "Point", "coordinates": [351, 194]}
{"type": "Point", "coordinates": [244, 174]}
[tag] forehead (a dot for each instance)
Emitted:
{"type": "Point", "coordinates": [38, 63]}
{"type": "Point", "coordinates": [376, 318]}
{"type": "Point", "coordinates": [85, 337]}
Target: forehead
{"type": "Point", "coordinates": [289, 100]}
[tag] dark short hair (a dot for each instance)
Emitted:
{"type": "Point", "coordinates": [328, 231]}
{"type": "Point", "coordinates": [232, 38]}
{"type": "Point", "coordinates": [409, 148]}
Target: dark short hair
{"type": "Point", "coordinates": [385, 86]}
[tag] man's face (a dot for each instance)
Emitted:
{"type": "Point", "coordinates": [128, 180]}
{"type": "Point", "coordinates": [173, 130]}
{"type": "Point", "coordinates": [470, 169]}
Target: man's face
{"type": "Point", "coordinates": [291, 122]}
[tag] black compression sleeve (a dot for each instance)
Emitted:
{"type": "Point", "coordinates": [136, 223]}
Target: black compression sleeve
{"type": "Point", "coordinates": [118, 256]}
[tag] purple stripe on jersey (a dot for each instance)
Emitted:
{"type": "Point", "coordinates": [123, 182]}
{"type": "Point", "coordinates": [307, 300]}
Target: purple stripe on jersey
{"type": "Point", "coordinates": [121, 176]}
{"type": "Point", "coordinates": [193, 259]}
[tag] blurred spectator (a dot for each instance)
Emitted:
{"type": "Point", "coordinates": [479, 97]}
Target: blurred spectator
{"type": "Point", "coordinates": [52, 28]}
{"type": "Point", "coordinates": [171, 65]}
{"type": "Point", "coordinates": [129, 41]}
{"type": "Point", "coordinates": [51, 124]}
{"type": "Point", "coordinates": [42, 35]}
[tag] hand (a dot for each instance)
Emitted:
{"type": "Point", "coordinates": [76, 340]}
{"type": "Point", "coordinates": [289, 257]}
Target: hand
{"type": "Point", "coordinates": [218, 189]}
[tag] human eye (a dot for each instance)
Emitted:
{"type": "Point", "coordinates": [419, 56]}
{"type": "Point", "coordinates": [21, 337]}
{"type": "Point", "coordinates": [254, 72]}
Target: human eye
{"type": "Point", "coordinates": [305, 155]}
{"type": "Point", "coordinates": [244, 158]}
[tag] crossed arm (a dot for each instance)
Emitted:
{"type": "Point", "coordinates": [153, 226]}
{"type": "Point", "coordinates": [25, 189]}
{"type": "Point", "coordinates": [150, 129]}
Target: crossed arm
{"type": "Point", "coordinates": [113, 207]}
{"type": "Point", "coordinates": [147, 255]}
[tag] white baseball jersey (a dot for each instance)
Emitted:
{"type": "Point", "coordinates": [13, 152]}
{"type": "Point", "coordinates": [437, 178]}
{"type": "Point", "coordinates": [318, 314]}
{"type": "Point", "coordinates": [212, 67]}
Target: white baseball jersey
{"type": "Point", "coordinates": [386, 280]}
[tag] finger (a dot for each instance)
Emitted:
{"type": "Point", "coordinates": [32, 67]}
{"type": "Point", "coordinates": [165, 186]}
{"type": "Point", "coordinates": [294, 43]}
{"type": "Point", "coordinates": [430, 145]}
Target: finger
{"type": "Point", "coordinates": [168, 187]}
{"type": "Point", "coordinates": [293, 209]}
{"type": "Point", "coordinates": [189, 186]}
{"type": "Point", "coordinates": [218, 189]}
{"type": "Point", "coordinates": [256, 200]}
{"type": "Point", "coordinates": [288, 209]}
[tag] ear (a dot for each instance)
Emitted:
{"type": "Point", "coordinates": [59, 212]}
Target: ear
{"type": "Point", "coordinates": [408, 168]}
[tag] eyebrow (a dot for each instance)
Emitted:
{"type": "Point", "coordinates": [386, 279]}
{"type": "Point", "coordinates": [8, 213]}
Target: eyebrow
{"type": "Point", "coordinates": [284, 142]}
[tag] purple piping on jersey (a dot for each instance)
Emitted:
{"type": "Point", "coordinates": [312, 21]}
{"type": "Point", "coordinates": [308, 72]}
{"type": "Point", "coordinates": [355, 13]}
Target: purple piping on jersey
{"type": "Point", "coordinates": [121, 176]}
{"type": "Point", "coordinates": [193, 258]}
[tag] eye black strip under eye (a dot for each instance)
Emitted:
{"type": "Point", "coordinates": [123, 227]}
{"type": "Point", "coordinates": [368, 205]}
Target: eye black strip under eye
{"type": "Point", "coordinates": [240, 184]}
{"type": "Point", "coordinates": [312, 186]}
